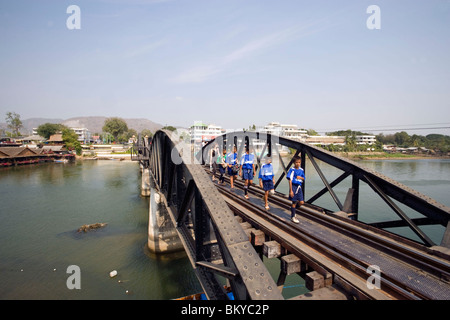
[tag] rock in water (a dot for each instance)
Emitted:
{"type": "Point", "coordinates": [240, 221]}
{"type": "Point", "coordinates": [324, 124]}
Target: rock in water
{"type": "Point", "coordinates": [88, 227]}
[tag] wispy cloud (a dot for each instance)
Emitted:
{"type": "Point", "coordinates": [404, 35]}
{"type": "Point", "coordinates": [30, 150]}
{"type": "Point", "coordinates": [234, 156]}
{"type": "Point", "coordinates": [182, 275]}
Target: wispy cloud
{"type": "Point", "coordinates": [203, 72]}
{"type": "Point", "coordinates": [144, 49]}
{"type": "Point", "coordinates": [197, 74]}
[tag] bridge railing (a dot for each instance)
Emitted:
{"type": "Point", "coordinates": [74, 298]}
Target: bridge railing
{"type": "Point", "coordinates": [140, 150]}
{"type": "Point", "coordinates": [396, 195]}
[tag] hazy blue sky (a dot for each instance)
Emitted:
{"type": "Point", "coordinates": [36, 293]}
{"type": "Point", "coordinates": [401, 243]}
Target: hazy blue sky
{"type": "Point", "coordinates": [229, 62]}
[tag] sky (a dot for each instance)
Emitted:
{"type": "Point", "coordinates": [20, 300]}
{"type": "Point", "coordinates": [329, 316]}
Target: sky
{"type": "Point", "coordinates": [233, 63]}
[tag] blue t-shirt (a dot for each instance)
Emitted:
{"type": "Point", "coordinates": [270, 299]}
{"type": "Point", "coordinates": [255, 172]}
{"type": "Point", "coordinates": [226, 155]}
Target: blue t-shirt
{"type": "Point", "coordinates": [231, 158]}
{"type": "Point", "coordinates": [247, 161]}
{"type": "Point", "coordinates": [266, 172]}
{"type": "Point", "coordinates": [294, 173]}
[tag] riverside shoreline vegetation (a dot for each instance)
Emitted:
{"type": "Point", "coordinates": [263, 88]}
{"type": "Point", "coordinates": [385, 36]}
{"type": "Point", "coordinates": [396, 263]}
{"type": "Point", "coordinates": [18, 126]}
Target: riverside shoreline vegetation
{"type": "Point", "coordinates": [387, 156]}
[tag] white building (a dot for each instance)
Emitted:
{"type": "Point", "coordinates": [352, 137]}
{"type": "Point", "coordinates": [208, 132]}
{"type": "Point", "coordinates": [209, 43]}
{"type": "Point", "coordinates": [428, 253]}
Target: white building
{"type": "Point", "coordinates": [326, 140]}
{"type": "Point", "coordinates": [290, 131]}
{"type": "Point", "coordinates": [84, 135]}
{"type": "Point", "coordinates": [367, 139]}
{"type": "Point", "coordinates": [201, 133]}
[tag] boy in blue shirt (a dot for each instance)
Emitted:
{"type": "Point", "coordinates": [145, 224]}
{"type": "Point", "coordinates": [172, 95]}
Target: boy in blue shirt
{"type": "Point", "coordinates": [296, 177]}
{"type": "Point", "coordinates": [247, 170]}
{"type": "Point", "coordinates": [232, 162]}
{"type": "Point", "coordinates": [266, 180]}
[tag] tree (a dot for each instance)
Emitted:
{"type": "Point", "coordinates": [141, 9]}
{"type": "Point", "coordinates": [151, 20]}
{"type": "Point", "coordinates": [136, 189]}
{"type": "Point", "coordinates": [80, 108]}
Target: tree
{"type": "Point", "coordinates": [401, 138]}
{"type": "Point", "coordinates": [312, 132]}
{"type": "Point", "coordinates": [115, 126]}
{"type": "Point", "coordinates": [170, 128]}
{"type": "Point", "coordinates": [14, 122]}
{"type": "Point", "coordinates": [385, 139]}
{"type": "Point", "coordinates": [47, 129]}
{"type": "Point", "coordinates": [70, 139]}
{"type": "Point", "coordinates": [350, 143]}
{"type": "Point", "coordinates": [347, 132]}
{"type": "Point", "coordinates": [417, 141]}
{"type": "Point", "coordinates": [124, 137]}
{"type": "Point", "coordinates": [146, 132]}
{"type": "Point", "coordinates": [438, 142]}
{"type": "Point", "coordinates": [378, 146]}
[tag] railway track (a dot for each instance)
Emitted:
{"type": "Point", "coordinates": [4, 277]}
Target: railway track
{"type": "Point", "coordinates": [344, 249]}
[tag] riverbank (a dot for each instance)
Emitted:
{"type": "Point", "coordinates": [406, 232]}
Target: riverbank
{"type": "Point", "coordinates": [386, 156]}
{"type": "Point", "coordinates": [112, 156]}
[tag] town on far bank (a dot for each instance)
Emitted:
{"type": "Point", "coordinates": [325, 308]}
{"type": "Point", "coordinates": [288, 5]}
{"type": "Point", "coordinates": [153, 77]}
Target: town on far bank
{"type": "Point", "coordinates": [62, 143]}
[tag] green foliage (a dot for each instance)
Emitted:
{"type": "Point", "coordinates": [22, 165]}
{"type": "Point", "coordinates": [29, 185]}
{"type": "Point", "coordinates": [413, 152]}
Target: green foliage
{"type": "Point", "coordinates": [14, 123]}
{"type": "Point", "coordinates": [47, 129]}
{"type": "Point", "coordinates": [170, 128]}
{"type": "Point", "coordinates": [312, 132]}
{"type": "Point", "coordinates": [437, 142]}
{"type": "Point", "coordinates": [70, 139]}
{"type": "Point", "coordinates": [346, 133]}
{"type": "Point", "coordinates": [146, 132]}
{"type": "Point", "coordinates": [115, 126]}
{"type": "Point", "coordinates": [124, 137]}
{"type": "Point", "coordinates": [403, 139]}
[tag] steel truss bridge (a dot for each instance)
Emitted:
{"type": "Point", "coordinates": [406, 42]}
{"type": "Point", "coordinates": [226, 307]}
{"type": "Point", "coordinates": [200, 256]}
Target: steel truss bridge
{"type": "Point", "coordinates": [227, 237]}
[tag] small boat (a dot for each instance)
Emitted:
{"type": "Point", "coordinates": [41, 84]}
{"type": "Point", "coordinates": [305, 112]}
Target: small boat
{"type": "Point", "coordinates": [5, 164]}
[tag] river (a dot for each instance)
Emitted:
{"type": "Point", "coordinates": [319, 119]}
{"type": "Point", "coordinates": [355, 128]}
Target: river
{"type": "Point", "coordinates": [43, 205]}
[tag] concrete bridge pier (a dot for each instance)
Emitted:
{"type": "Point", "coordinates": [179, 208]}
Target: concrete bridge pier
{"type": "Point", "coordinates": [145, 183]}
{"type": "Point", "coordinates": [162, 236]}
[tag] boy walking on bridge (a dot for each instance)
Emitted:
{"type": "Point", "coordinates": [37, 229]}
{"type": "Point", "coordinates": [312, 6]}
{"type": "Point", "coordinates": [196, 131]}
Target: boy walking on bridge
{"type": "Point", "coordinates": [247, 171]}
{"type": "Point", "coordinates": [233, 166]}
{"type": "Point", "coordinates": [296, 177]}
{"type": "Point", "coordinates": [266, 180]}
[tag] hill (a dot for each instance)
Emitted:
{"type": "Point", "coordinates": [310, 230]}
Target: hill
{"type": "Point", "coordinates": [94, 124]}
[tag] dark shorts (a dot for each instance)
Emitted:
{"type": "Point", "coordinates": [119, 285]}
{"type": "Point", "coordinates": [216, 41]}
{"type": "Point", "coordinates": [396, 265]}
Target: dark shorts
{"type": "Point", "coordinates": [267, 185]}
{"type": "Point", "coordinates": [247, 174]}
{"type": "Point", "coordinates": [231, 172]}
{"type": "Point", "coordinates": [298, 194]}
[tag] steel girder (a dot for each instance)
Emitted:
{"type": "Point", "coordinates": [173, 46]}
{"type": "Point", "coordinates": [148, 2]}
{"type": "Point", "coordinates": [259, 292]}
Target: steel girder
{"type": "Point", "coordinates": [214, 241]}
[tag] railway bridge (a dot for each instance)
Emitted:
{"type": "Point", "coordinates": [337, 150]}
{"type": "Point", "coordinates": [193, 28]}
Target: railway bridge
{"type": "Point", "coordinates": [228, 238]}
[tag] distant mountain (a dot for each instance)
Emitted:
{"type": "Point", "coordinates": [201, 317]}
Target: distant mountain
{"type": "Point", "coordinates": [94, 124]}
